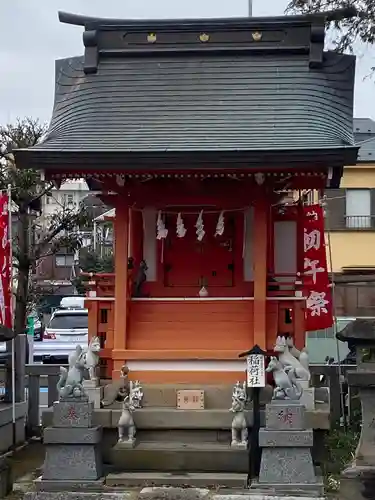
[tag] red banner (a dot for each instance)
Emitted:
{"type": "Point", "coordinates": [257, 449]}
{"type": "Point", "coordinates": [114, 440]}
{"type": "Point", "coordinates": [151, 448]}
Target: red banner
{"type": "Point", "coordinates": [5, 264]}
{"type": "Point", "coordinates": [317, 287]}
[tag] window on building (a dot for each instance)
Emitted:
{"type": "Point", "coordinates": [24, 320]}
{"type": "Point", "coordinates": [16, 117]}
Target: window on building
{"type": "Point", "coordinates": [358, 208]}
{"type": "Point", "coordinates": [68, 199]}
{"type": "Point", "coordinates": [49, 199]}
{"type": "Point", "coordinates": [64, 260]}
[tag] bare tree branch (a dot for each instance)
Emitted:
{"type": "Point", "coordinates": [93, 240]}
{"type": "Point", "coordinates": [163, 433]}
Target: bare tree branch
{"type": "Point", "coordinates": [61, 231]}
{"type": "Point", "coordinates": [345, 31]}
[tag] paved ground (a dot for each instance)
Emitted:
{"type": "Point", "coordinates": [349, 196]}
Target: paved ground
{"type": "Point", "coordinates": [27, 463]}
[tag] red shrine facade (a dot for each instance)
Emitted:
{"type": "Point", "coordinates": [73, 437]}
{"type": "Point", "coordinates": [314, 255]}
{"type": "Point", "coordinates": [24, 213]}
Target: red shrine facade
{"type": "Point", "coordinates": [203, 134]}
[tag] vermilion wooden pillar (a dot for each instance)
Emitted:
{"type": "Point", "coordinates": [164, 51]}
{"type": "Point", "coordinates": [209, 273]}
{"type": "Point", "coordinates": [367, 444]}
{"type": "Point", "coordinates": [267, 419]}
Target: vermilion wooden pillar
{"type": "Point", "coordinates": [121, 288]}
{"type": "Point", "coordinates": [260, 246]}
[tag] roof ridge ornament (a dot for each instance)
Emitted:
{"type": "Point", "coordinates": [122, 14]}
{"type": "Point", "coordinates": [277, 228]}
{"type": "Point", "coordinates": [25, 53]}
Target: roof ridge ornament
{"type": "Point", "coordinates": [203, 37]}
{"type": "Point", "coordinates": [257, 36]}
{"type": "Point", "coordinates": [151, 38]}
{"type": "Point", "coordinates": [326, 16]}
{"type": "Point", "coordinates": [267, 32]}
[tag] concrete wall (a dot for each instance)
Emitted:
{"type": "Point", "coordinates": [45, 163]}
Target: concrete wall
{"type": "Point", "coordinates": [6, 425]}
{"type": "Point", "coordinates": [351, 248]}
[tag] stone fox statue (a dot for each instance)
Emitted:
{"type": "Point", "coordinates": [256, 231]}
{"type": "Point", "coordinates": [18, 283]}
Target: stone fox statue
{"type": "Point", "coordinates": [239, 425]}
{"type": "Point", "coordinates": [286, 382]}
{"type": "Point", "coordinates": [126, 427]}
{"type": "Point", "coordinates": [91, 357]}
{"type": "Point", "coordinates": [288, 361]}
{"type": "Point", "coordinates": [70, 382]}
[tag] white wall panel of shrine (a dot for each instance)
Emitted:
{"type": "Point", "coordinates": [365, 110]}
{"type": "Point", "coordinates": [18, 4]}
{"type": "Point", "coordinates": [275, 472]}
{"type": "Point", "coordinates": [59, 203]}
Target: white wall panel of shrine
{"type": "Point", "coordinates": [248, 245]}
{"type": "Point", "coordinates": [150, 242]}
{"type": "Point", "coordinates": [285, 251]}
{"type": "Point", "coordinates": [181, 365]}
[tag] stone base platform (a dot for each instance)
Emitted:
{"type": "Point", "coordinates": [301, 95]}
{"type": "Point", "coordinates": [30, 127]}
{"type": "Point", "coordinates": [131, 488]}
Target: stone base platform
{"type": "Point", "coordinates": [67, 485]}
{"type": "Point", "coordinates": [287, 491]}
{"type": "Point", "coordinates": [196, 480]}
{"type": "Point", "coordinates": [358, 482]}
{"type": "Point", "coordinates": [5, 478]}
{"type": "Point", "coordinates": [162, 418]}
{"type": "Point", "coordinates": [180, 457]}
{"type": "Point", "coordinates": [165, 493]}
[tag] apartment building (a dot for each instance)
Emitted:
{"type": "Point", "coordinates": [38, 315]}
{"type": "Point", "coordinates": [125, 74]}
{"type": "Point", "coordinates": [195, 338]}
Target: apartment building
{"type": "Point", "coordinates": [350, 223]}
{"type": "Point", "coordinates": [351, 228]}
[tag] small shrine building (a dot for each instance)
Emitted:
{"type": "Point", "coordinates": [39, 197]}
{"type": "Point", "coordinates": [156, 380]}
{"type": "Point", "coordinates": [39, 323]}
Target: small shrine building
{"type": "Point", "coordinates": [195, 131]}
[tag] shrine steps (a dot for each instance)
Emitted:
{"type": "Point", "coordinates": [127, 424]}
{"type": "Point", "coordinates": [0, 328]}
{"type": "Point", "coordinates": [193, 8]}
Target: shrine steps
{"type": "Point", "coordinates": [180, 457]}
{"type": "Point", "coordinates": [190, 446]}
{"type": "Point", "coordinates": [190, 479]}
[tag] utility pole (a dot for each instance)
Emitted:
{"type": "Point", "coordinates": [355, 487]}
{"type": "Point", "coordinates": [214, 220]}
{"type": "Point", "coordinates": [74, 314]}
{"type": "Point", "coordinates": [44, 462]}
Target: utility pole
{"type": "Point", "coordinates": [250, 10]}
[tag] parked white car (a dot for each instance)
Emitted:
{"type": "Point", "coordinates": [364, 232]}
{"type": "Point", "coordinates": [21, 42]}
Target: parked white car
{"type": "Point", "coordinates": [66, 329]}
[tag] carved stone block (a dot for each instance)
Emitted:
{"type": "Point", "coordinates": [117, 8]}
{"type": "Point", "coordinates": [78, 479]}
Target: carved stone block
{"type": "Point", "coordinates": [286, 463]}
{"type": "Point", "coordinates": [190, 399]}
{"type": "Point", "coordinates": [287, 466]}
{"type": "Point", "coordinates": [72, 445]}
{"type": "Point", "coordinates": [75, 435]}
{"type": "Point", "coordinates": [72, 462]}
{"type": "Point", "coordinates": [72, 412]}
{"type": "Point", "coordinates": [125, 444]}
{"type": "Point", "coordinates": [94, 392]}
{"type": "Point", "coordinates": [308, 399]}
{"type": "Point", "coordinates": [285, 415]}
{"type": "Point", "coordinates": [297, 439]}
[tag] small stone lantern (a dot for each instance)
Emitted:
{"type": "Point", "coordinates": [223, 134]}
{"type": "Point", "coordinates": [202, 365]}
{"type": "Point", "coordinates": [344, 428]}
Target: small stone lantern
{"type": "Point", "coordinates": [358, 480]}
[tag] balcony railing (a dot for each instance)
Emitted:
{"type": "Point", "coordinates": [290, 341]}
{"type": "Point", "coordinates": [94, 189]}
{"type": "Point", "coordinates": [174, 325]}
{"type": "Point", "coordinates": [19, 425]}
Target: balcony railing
{"type": "Point", "coordinates": [360, 222]}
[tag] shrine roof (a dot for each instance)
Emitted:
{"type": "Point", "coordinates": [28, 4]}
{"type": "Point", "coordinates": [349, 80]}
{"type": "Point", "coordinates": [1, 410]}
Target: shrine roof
{"type": "Point", "coordinates": [360, 330]}
{"type": "Point", "coordinates": [254, 89]}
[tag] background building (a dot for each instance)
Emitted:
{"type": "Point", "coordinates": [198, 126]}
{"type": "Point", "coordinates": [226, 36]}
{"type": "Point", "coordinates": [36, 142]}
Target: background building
{"type": "Point", "coordinates": [350, 223]}
{"type": "Point", "coordinates": [351, 227]}
{"type": "Point", "coordinates": [54, 273]}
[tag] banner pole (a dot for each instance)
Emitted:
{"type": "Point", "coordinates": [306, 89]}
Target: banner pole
{"type": "Point", "coordinates": [9, 192]}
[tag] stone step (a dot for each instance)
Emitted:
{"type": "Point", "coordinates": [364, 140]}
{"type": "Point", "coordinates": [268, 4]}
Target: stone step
{"type": "Point", "coordinates": [179, 457]}
{"type": "Point", "coordinates": [162, 418]}
{"type": "Point", "coordinates": [215, 396]}
{"type": "Point", "coordinates": [191, 479]}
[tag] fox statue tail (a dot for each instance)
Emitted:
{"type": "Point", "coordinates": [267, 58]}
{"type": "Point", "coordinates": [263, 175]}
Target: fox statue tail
{"type": "Point", "coordinates": [297, 389]}
{"type": "Point", "coordinates": [61, 388]}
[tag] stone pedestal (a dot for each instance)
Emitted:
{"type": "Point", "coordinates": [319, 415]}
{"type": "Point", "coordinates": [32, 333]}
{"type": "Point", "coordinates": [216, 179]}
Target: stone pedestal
{"type": "Point", "coordinates": [308, 398]}
{"type": "Point", "coordinates": [125, 445]}
{"type": "Point", "coordinates": [358, 480]}
{"type": "Point", "coordinates": [5, 478]}
{"type": "Point", "coordinates": [286, 464]}
{"type": "Point", "coordinates": [94, 391]}
{"type": "Point", "coordinates": [72, 447]}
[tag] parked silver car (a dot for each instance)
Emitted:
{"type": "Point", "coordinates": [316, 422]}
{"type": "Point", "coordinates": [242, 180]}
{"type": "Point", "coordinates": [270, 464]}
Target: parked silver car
{"type": "Point", "coordinates": [66, 329]}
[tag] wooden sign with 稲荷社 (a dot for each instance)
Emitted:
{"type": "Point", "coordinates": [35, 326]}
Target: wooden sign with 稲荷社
{"type": "Point", "coordinates": [255, 369]}
{"type": "Point", "coordinates": [190, 399]}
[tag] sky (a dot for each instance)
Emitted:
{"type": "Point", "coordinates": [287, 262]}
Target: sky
{"type": "Point", "coordinates": [31, 38]}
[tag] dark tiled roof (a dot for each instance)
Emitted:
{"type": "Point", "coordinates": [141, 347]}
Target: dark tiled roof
{"type": "Point", "coordinates": [202, 102]}
{"type": "Point", "coordinates": [367, 150]}
{"type": "Point", "coordinates": [364, 126]}
{"type": "Point", "coordinates": [360, 330]}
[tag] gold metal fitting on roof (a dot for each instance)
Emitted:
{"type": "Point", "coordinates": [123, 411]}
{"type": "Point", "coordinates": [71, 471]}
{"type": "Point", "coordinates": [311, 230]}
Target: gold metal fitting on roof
{"type": "Point", "coordinates": [257, 36]}
{"type": "Point", "coordinates": [151, 38]}
{"type": "Point", "coordinates": [204, 37]}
